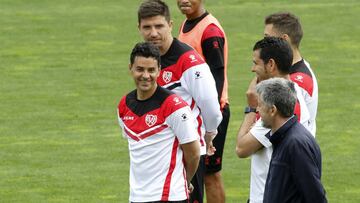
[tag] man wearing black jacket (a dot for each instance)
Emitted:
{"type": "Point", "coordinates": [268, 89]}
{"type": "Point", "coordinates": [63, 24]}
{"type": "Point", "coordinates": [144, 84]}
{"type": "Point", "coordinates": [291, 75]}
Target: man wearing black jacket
{"type": "Point", "coordinates": [295, 168]}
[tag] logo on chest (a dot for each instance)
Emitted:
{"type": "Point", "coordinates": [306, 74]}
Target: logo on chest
{"type": "Point", "coordinates": [167, 75]}
{"type": "Point", "coordinates": [150, 120]}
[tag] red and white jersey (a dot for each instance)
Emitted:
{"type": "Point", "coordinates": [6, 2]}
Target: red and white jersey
{"type": "Point", "coordinates": [261, 159]}
{"type": "Point", "coordinates": [155, 128]}
{"type": "Point", "coordinates": [184, 72]}
{"type": "Point", "coordinates": [302, 74]}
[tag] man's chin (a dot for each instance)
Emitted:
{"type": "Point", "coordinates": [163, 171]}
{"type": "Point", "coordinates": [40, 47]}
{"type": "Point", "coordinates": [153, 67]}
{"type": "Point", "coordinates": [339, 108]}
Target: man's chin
{"type": "Point", "coordinates": [185, 10]}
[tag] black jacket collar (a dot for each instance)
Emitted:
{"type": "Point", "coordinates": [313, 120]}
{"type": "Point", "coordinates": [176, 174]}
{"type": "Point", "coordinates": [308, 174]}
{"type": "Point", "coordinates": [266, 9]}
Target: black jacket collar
{"type": "Point", "coordinates": [280, 134]}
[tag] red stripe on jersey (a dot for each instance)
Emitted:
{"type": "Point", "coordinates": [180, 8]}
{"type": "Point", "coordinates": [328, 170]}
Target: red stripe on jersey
{"type": "Point", "coordinates": [199, 129]}
{"type": "Point", "coordinates": [304, 81]}
{"type": "Point", "coordinates": [192, 104]}
{"type": "Point", "coordinates": [212, 31]}
{"type": "Point", "coordinates": [297, 110]}
{"type": "Point", "coordinates": [166, 188]}
{"type": "Point", "coordinates": [131, 136]}
{"type": "Point", "coordinates": [137, 137]}
{"type": "Point", "coordinates": [148, 134]}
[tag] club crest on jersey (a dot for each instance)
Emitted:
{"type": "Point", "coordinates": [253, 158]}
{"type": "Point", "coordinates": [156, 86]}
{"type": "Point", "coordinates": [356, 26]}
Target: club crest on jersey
{"type": "Point", "coordinates": [167, 75]}
{"type": "Point", "coordinates": [150, 120]}
{"type": "Point", "coordinates": [193, 58]}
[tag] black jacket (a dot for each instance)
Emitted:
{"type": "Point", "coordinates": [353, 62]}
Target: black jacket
{"type": "Point", "coordinates": [295, 167]}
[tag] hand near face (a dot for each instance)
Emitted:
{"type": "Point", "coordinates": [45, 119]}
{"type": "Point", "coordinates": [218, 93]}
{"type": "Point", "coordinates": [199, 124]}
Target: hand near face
{"type": "Point", "coordinates": [251, 95]}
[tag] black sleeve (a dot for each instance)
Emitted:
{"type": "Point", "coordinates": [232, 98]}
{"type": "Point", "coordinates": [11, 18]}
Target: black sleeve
{"type": "Point", "coordinates": [213, 50]}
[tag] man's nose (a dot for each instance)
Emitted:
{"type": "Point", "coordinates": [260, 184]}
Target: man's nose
{"type": "Point", "coordinates": [153, 32]}
{"type": "Point", "coordinates": [146, 74]}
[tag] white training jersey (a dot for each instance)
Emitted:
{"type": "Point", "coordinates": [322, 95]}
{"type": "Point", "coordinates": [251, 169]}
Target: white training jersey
{"type": "Point", "coordinates": [184, 72]}
{"type": "Point", "coordinates": [302, 74]}
{"type": "Point", "coordinates": [155, 129]}
{"type": "Point", "coordinates": [261, 159]}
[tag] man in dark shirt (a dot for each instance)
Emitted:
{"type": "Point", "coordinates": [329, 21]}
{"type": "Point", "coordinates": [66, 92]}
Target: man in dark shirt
{"type": "Point", "coordinates": [295, 168]}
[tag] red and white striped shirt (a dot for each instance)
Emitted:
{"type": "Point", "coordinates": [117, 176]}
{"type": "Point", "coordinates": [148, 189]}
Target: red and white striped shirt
{"type": "Point", "coordinates": [155, 128]}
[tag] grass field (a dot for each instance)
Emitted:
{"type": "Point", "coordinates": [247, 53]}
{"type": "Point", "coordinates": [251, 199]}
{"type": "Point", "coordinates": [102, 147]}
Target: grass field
{"type": "Point", "coordinates": [64, 68]}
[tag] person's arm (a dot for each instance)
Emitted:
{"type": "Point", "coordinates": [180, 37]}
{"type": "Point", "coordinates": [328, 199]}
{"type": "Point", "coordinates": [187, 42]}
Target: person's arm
{"type": "Point", "coordinates": [120, 122]}
{"type": "Point", "coordinates": [246, 143]}
{"type": "Point", "coordinates": [212, 43]}
{"type": "Point", "coordinates": [200, 84]}
{"type": "Point", "coordinates": [251, 135]}
{"type": "Point", "coordinates": [306, 167]}
{"type": "Point", "coordinates": [191, 158]}
{"type": "Point", "coordinates": [180, 120]}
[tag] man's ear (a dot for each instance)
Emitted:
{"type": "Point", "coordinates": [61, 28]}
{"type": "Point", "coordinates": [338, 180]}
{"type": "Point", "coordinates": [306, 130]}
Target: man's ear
{"type": "Point", "coordinates": [129, 66]}
{"type": "Point", "coordinates": [273, 110]}
{"type": "Point", "coordinates": [271, 65]}
{"type": "Point", "coordinates": [171, 25]}
{"type": "Point", "coordinates": [286, 37]}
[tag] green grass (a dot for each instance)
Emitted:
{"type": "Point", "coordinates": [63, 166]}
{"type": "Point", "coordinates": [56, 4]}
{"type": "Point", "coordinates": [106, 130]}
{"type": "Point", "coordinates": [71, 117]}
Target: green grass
{"type": "Point", "coordinates": [64, 69]}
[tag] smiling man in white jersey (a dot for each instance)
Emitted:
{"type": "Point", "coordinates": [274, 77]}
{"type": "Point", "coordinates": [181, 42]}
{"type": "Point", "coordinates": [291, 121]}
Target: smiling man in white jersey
{"type": "Point", "coordinates": [163, 143]}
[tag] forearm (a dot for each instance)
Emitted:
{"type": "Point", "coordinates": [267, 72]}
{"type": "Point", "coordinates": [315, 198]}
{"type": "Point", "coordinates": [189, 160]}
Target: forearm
{"type": "Point", "coordinates": [210, 111]}
{"type": "Point", "coordinates": [191, 158]}
{"type": "Point", "coordinates": [242, 143]}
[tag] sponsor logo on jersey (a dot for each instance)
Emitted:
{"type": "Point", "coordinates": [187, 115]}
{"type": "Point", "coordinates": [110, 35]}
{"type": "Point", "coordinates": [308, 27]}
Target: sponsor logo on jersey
{"type": "Point", "coordinates": [177, 101]}
{"type": "Point", "coordinates": [197, 74]}
{"type": "Point", "coordinates": [193, 58]}
{"type": "Point", "coordinates": [184, 116]}
{"type": "Point", "coordinates": [299, 78]}
{"type": "Point", "coordinates": [150, 120]}
{"type": "Point", "coordinates": [128, 118]}
{"type": "Point", "coordinates": [167, 75]}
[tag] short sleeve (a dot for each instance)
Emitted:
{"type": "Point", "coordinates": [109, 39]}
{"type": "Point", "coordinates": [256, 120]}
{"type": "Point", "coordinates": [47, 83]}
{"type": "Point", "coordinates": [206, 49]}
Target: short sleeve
{"type": "Point", "coordinates": [259, 132]}
{"type": "Point", "coordinates": [181, 122]}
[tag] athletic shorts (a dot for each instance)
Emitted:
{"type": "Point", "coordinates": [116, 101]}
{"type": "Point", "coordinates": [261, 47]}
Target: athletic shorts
{"type": "Point", "coordinates": [213, 163]}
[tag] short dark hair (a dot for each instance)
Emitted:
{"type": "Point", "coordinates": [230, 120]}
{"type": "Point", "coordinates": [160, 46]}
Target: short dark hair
{"type": "Point", "coordinates": [147, 50]}
{"type": "Point", "coordinates": [280, 93]}
{"type": "Point", "coordinates": [277, 49]}
{"type": "Point", "coordinates": [286, 23]}
{"type": "Point", "coordinates": [151, 8]}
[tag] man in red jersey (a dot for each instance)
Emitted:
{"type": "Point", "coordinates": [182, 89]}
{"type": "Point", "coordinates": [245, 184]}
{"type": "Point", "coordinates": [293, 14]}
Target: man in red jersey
{"type": "Point", "coordinates": [163, 143]}
{"type": "Point", "coordinates": [184, 72]}
{"type": "Point", "coordinates": [203, 32]}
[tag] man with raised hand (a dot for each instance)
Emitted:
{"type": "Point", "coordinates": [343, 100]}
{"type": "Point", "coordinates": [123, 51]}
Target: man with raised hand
{"type": "Point", "coordinates": [272, 57]}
